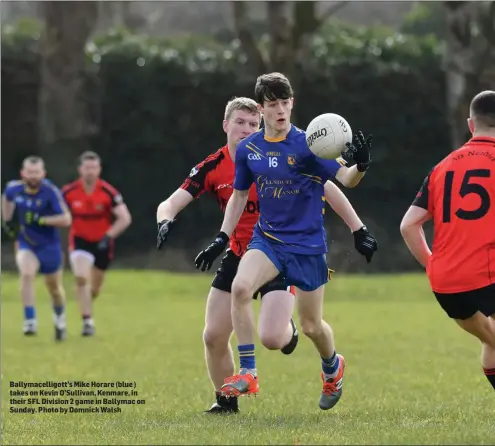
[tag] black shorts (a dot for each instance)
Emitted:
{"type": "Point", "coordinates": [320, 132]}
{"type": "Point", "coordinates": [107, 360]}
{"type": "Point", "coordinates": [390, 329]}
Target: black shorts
{"type": "Point", "coordinates": [228, 269]}
{"type": "Point", "coordinates": [464, 305]}
{"type": "Point", "coordinates": [102, 257]}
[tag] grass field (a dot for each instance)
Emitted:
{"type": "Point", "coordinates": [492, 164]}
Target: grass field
{"type": "Point", "coordinates": [412, 376]}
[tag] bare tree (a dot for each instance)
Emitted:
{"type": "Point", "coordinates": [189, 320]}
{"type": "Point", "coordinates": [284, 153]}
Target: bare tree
{"type": "Point", "coordinates": [63, 123]}
{"type": "Point", "coordinates": [469, 59]}
{"type": "Point", "coordinates": [291, 24]}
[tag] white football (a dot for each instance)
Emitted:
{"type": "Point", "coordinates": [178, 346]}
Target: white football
{"type": "Point", "coordinates": [327, 135]}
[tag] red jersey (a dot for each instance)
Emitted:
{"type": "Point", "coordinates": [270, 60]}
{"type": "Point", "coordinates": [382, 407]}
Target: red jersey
{"type": "Point", "coordinates": [460, 195]}
{"type": "Point", "coordinates": [216, 175]}
{"type": "Point", "coordinates": [92, 214]}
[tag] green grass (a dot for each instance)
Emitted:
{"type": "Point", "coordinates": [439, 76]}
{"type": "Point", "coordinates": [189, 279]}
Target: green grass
{"type": "Point", "coordinates": [412, 376]}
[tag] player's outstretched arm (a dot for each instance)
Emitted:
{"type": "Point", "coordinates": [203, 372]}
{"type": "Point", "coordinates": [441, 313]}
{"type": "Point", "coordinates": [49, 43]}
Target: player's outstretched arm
{"type": "Point", "coordinates": [233, 212]}
{"type": "Point", "coordinates": [364, 242]}
{"type": "Point", "coordinates": [359, 153]}
{"type": "Point", "coordinates": [411, 229]}
{"type": "Point", "coordinates": [167, 211]}
{"type": "Point", "coordinates": [342, 206]}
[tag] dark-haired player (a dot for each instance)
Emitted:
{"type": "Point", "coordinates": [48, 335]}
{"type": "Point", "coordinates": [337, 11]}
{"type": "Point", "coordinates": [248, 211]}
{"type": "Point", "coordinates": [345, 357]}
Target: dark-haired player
{"type": "Point", "coordinates": [289, 238]}
{"type": "Point", "coordinates": [216, 175]}
{"type": "Point", "coordinates": [99, 216]}
{"type": "Point", "coordinates": [459, 196]}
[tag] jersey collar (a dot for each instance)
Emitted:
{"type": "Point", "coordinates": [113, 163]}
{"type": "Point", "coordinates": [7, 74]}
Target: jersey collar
{"type": "Point", "coordinates": [283, 138]}
{"type": "Point", "coordinates": [482, 139]}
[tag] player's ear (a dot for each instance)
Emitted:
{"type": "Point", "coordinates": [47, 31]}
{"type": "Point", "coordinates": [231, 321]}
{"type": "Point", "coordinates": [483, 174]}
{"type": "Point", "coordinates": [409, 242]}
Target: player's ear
{"type": "Point", "coordinates": [225, 125]}
{"type": "Point", "coordinates": [471, 125]}
{"type": "Point", "coordinates": [260, 109]}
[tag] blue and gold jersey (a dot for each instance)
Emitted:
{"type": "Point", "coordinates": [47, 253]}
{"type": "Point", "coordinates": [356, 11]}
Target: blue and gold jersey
{"type": "Point", "coordinates": [290, 184]}
{"type": "Point", "coordinates": [45, 201]}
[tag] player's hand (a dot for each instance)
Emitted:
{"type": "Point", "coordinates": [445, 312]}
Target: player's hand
{"type": "Point", "coordinates": [359, 151]}
{"type": "Point", "coordinates": [164, 228]}
{"type": "Point", "coordinates": [365, 243]}
{"type": "Point", "coordinates": [33, 218]}
{"type": "Point", "coordinates": [205, 258]}
{"type": "Point", "coordinates": [104, 243]}
{"type": "Point", "coordinates": [9, 229]}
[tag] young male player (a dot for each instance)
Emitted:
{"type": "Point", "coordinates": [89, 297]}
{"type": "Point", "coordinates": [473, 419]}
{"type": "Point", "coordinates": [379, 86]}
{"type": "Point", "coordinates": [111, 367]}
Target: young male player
{"type": "Point", "coordinates": [40, 211]}
{"type": "Point", "coordinates": [459, 196]}
{"type": "Point", "coordinates": [99, 217]}
{"type": "Point", "coordinates": [216, 175]}
{"type": "Point", "coordinates": [289, 237]}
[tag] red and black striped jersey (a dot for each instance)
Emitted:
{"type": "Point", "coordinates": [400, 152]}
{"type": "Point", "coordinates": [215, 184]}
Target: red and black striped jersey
{"type": "Point", "coordinates": [92, 214]}
{"type": "Point", "coordinates": [459, 193]}
{"type": "Point", "coordinates": [216, 175]}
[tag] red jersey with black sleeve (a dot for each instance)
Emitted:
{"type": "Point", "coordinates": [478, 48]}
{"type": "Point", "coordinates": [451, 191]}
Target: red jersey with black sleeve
{"type": "Point", "coordinates": [459, 193]}
{"type": "Point", "coordinates": [216, 175]}
{"type": "Point", "coordinates": [92, 214]}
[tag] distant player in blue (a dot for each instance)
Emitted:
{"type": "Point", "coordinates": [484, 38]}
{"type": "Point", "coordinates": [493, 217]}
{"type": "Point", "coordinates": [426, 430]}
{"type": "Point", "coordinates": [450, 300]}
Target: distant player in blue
{"type": "Point", "coordinates": [39, 210]}
{"type": "Point", "coordinates": [289, 237]}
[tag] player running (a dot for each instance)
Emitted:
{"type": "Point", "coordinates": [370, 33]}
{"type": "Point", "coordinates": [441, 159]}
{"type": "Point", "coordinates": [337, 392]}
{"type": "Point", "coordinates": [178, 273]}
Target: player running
{"type": "Point", "coordinates": [216, 175]}
{"type": "Point", "coordinates": [99, 217]}
{"type": "Point", "coordinates": [40, 211]}
{"type": "Point", "coordinates": [459, 196]}
{"type": "Point", "coordinates": [289, 237]}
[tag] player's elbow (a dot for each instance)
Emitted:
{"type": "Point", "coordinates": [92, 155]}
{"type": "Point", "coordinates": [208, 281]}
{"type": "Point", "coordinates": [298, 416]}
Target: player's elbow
{"type": "Point", "coordinates": [406, 227]}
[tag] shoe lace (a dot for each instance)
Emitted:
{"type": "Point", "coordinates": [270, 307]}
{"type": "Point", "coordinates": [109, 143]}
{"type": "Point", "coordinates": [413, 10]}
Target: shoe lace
{"type": "Point", "coordinates": [330, 387]}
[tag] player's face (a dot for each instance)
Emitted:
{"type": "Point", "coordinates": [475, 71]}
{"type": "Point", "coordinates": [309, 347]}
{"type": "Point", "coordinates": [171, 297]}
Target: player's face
{"type": "Point", "coordinates": [32, 174]}
{"type": "Point", "coordinates": [90, 170]}
{"type": "Point", "coordinates": [277, 113]}
{"type": "Point", "coordinates": [240, 125]}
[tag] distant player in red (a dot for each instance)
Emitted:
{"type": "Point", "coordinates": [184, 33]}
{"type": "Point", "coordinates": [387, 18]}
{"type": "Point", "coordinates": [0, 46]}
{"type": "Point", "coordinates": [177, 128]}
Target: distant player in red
{"type": "Point", "coordinates": [215, 174]}
{"type": "Point", "coordinates": [459, 195]}
{"type": "Point", "coordinates": [99, 215]}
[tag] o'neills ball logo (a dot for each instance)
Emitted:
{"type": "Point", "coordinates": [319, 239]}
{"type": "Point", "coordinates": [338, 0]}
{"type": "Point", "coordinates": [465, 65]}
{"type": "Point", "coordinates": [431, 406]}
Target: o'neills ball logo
{"type": "Point", "coordinates": [316, 135]}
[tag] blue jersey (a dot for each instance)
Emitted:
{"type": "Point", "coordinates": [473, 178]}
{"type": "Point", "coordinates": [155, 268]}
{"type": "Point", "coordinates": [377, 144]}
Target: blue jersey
{"type": "Point", "coordinates": [46, 201]}
{"type": "Point", "coordinates": [290, 184]}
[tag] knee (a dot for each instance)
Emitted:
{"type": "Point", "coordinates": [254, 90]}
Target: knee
{"type": "Point", "coordinates": [270, 340]}
{"type": "Point", "coordinates": [81, 281]}
{"type": "Point", "coordinates": [55, 289]}
{"type": "Point", "coordinates": [214, 339]}
{"type": "Point", "coordinates": [242, 289]}
{"type": "Point", "coordinates": [27, 278]}
{"type": "Point", "coordinates": [311, 328]}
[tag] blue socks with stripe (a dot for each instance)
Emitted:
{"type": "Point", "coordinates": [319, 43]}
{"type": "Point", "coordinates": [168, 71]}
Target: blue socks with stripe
{"type": "Point", "coordinates": [330, 366]}
{"type": "Point", "coordinates": [246, 356]}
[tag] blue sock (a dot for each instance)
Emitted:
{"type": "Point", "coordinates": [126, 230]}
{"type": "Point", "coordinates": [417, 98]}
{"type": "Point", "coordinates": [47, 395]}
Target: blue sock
{"type": "Point", "coordinates": [246, 355]}
{"type": "Point", "coordinates": [58, 309]}
{"type": "Point", "coordinates": [330, 365]}
{"type": "Point", "coordinates": [29, 313]}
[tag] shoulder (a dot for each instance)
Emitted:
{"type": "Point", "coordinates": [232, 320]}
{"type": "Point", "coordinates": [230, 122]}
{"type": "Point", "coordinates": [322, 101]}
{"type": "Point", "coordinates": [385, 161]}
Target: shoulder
{"type": "Point", "coordinates": [108, 188]}
{"type": "Point", "coordinates": [71, 187]}
{"type": "Point", "coordinates": [48, 186]}
{"type": "Point", "coordinates": [209, 164]}
{"type": "Point", "coordinates": [14, 184]}
{"type": "Point", "coordinates": [255, 138]}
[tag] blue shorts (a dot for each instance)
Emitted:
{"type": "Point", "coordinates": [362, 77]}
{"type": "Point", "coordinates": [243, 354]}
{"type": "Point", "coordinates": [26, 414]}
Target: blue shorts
{"type": "Point", "coordinates": [49, 256]}
{"type": "Point", "coordinates": [306, 272]}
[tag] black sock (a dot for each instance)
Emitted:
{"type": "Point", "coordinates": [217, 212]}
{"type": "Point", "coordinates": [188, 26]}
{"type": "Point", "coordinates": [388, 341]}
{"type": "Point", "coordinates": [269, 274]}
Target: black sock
{"type": "Point", "coordinates": [490, 376]}
{"type": "Point", "coordinates": [228, 402]}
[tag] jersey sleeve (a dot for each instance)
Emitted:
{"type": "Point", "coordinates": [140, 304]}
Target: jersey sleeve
{"type": "Point", "coordinates": [326, 169]}
{"type": "Point", "coordinates": [243, 175]}
{"type": "Point", "coordinates": [115, 196]}
{"type": "Point", "coordinates": [422, 198]}
{"type": "Point", "coordinates": [57, 202]}
{"type": "Point", "coordinates": [198, 180]}
{"type": "Point", "coordinates": [10, 190]}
